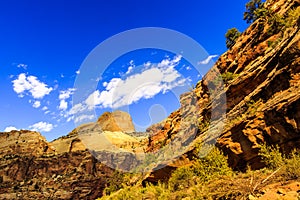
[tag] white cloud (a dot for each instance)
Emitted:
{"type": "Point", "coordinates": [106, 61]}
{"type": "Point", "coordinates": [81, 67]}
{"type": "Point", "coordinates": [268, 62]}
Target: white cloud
{"type": "Point", "coordinates": [47, 112]}
{"type": "Point", "coordinates": [63, 105]}
{"type": "Point", "coordinates": [31, 84]}
{"type": "Point", "coordinates": [45, 108]}
{"type": "Point", "coordinates": [188, 68]}
{"type": "Point", "coordinates": [24, 66]}
{"type": "Point", "coordinates": [82, 118]}
{"type": "Point", "coordinates": [147, 64]}
{"type": "Point", "coordinates": [77, 109]}
{"type": "Point", "coordinates": [130, 68]}
{"type": "Point", "coordinates": [150, 81]}
{"type": "Point", "coordinates": [10, 128]}
{"type": "Point", "coordinates": [36, 104]}
{"type": "Point", "coordinates": [207, 60]}
{"type": "Point", "coordinates": [63, 95]}
{"type": "Point", "coordinates": [160, 77]}
{"type": "Point", "coordinates": [70, 118]}
{"type": "Point", "coordinates": [77, 72]}
{"type": "Point", "coordinates": [41, 127]}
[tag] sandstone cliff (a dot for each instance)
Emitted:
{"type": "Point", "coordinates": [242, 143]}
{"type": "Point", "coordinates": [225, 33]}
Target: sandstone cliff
{"type": "Point", "coordinates": [33, 168]}
{"type": "Point", "coordinates": [261, 75]}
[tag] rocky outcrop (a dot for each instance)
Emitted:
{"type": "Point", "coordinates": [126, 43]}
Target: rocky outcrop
{"type": "Point", "coordinates": [66, 168]}
{"type": "Point", "coordinates": [261, 74]}
{"type": "Point", "coordinates": [263, 102]}
{"type": "Point", "coordinates": [24, 143]}
{"type": "Point", "coordinates": [113, 125]}
{"type": "Point", "coordinates": [32, 168]}
{"type": "Point", "coordinates": [116, 121]}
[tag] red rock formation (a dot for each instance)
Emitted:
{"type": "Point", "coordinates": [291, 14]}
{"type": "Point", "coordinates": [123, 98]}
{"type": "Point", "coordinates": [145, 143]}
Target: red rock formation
{"type": "Point", "coordinates": [31, 168]}
{"type": "Point", "coordinates": [262, 92]}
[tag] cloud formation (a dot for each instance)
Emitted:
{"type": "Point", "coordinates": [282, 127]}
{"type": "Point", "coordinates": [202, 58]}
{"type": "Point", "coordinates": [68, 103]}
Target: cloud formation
{"type": "Point", "coordinates": [21, 65]}
{"type": "Point", "coordinates": [10, 128]}
{"type": "Point", "coordinates": [41, 127]}
{"type": "Point", "coordinates": [63, 105]}
{"type": "Point", "coordinates": [36, 104]}
{"type": "Point", "coordinates": [30, 84]}
{"type": "Point", "coordinates": [82, 118]}
{"type": "Point", "coordinates": [63, 95]}
{"type": "Point", "coordinates": [161, 77]}
{"type": "Point", "coordinates": [207, 60]}
{"type": "Point", "coordinates": [153, 79]}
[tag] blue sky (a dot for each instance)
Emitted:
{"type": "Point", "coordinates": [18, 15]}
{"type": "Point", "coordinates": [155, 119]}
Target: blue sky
{"type": "Point", "coordinates": [44, 43]}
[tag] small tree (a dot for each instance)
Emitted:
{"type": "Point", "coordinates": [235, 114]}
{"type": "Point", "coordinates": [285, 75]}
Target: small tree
{"type": "Point", "coordinates": [252, 8]}
{"type": "Point", "coordinates": [231, 37]}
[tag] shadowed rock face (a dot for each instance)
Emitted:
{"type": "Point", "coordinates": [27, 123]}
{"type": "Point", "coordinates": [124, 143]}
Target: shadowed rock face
{"type": "Point", "coordinates": [31, 168]}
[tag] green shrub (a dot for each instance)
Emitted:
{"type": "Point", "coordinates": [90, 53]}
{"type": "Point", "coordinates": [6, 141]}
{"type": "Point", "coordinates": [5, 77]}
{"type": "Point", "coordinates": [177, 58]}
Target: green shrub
{"type": "Point", "coordinates": [274, 159]}
{"type": "Point", "coordinates": [292, 165]}
{"type": "Point", "coordinates": [253, 11]}
{"type": "Point", "coordinates": [182, 178]}
{"type": "Point", "coordinates": [292, 17]}
{"type": "Point", "coordinates": [159, 192]}
{"type": "Point", "coordinates": [228, 76]}
{"type": "Point", "coordinates": [271, 156]}
{"type": "Point", "coordinates": [115, 183]}
{"type": "Point", "coordinates": [231, 36]}
{"type": "Point", "coordinates": [118, 181]}
{"type": "Point", "coordinates": [276, 24]}
{"type": "Point", "coordinates": [212, 166]}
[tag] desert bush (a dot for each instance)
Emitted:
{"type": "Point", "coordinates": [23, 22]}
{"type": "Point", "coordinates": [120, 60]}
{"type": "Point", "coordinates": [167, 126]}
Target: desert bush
{"type": "Point", "coordinates": [228, 76]}
{"type": "Point", "coordinates": [115, 183]}
{"type": "Point", "coordinates": [119, 180]}
{"type": "Point", "coordinates": [288, 165]}
{"type": "Point", "coordinates": [212, 166]}
{"type": "Point", "coordinates": [224, 78]}
{"type": "Point", "coordinates": [292, 17]}
{"type": "Point", "coordinates": [182, 178]}
{"type": "Point", "coordinates": [292, 165]}
{"type": "Point", "coordinates": [159, 192]}
{"type": "Point", "coordinates": [271, 156]}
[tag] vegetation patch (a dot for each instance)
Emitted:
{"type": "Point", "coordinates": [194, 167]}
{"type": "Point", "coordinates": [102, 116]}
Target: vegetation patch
{"type": "Point", "coordinates": [210, 177]}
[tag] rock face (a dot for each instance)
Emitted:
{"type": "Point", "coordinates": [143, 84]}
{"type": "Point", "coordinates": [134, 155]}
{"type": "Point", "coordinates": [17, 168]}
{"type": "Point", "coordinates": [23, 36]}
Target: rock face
{"type": "Point", "coordinates": [31, 168]}
{"type": "Point", "coordinates": [116, 121]}
{"type": "Point", "coordinates": [25, 143]}
{"type": "Point", "coordinates": [261, 74]}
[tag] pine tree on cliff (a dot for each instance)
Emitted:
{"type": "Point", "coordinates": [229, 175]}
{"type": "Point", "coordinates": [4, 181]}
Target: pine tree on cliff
{"type": "Point", "coordinates": [231, 37]}
{"type": "Point", "coordinates": [252, 10]}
